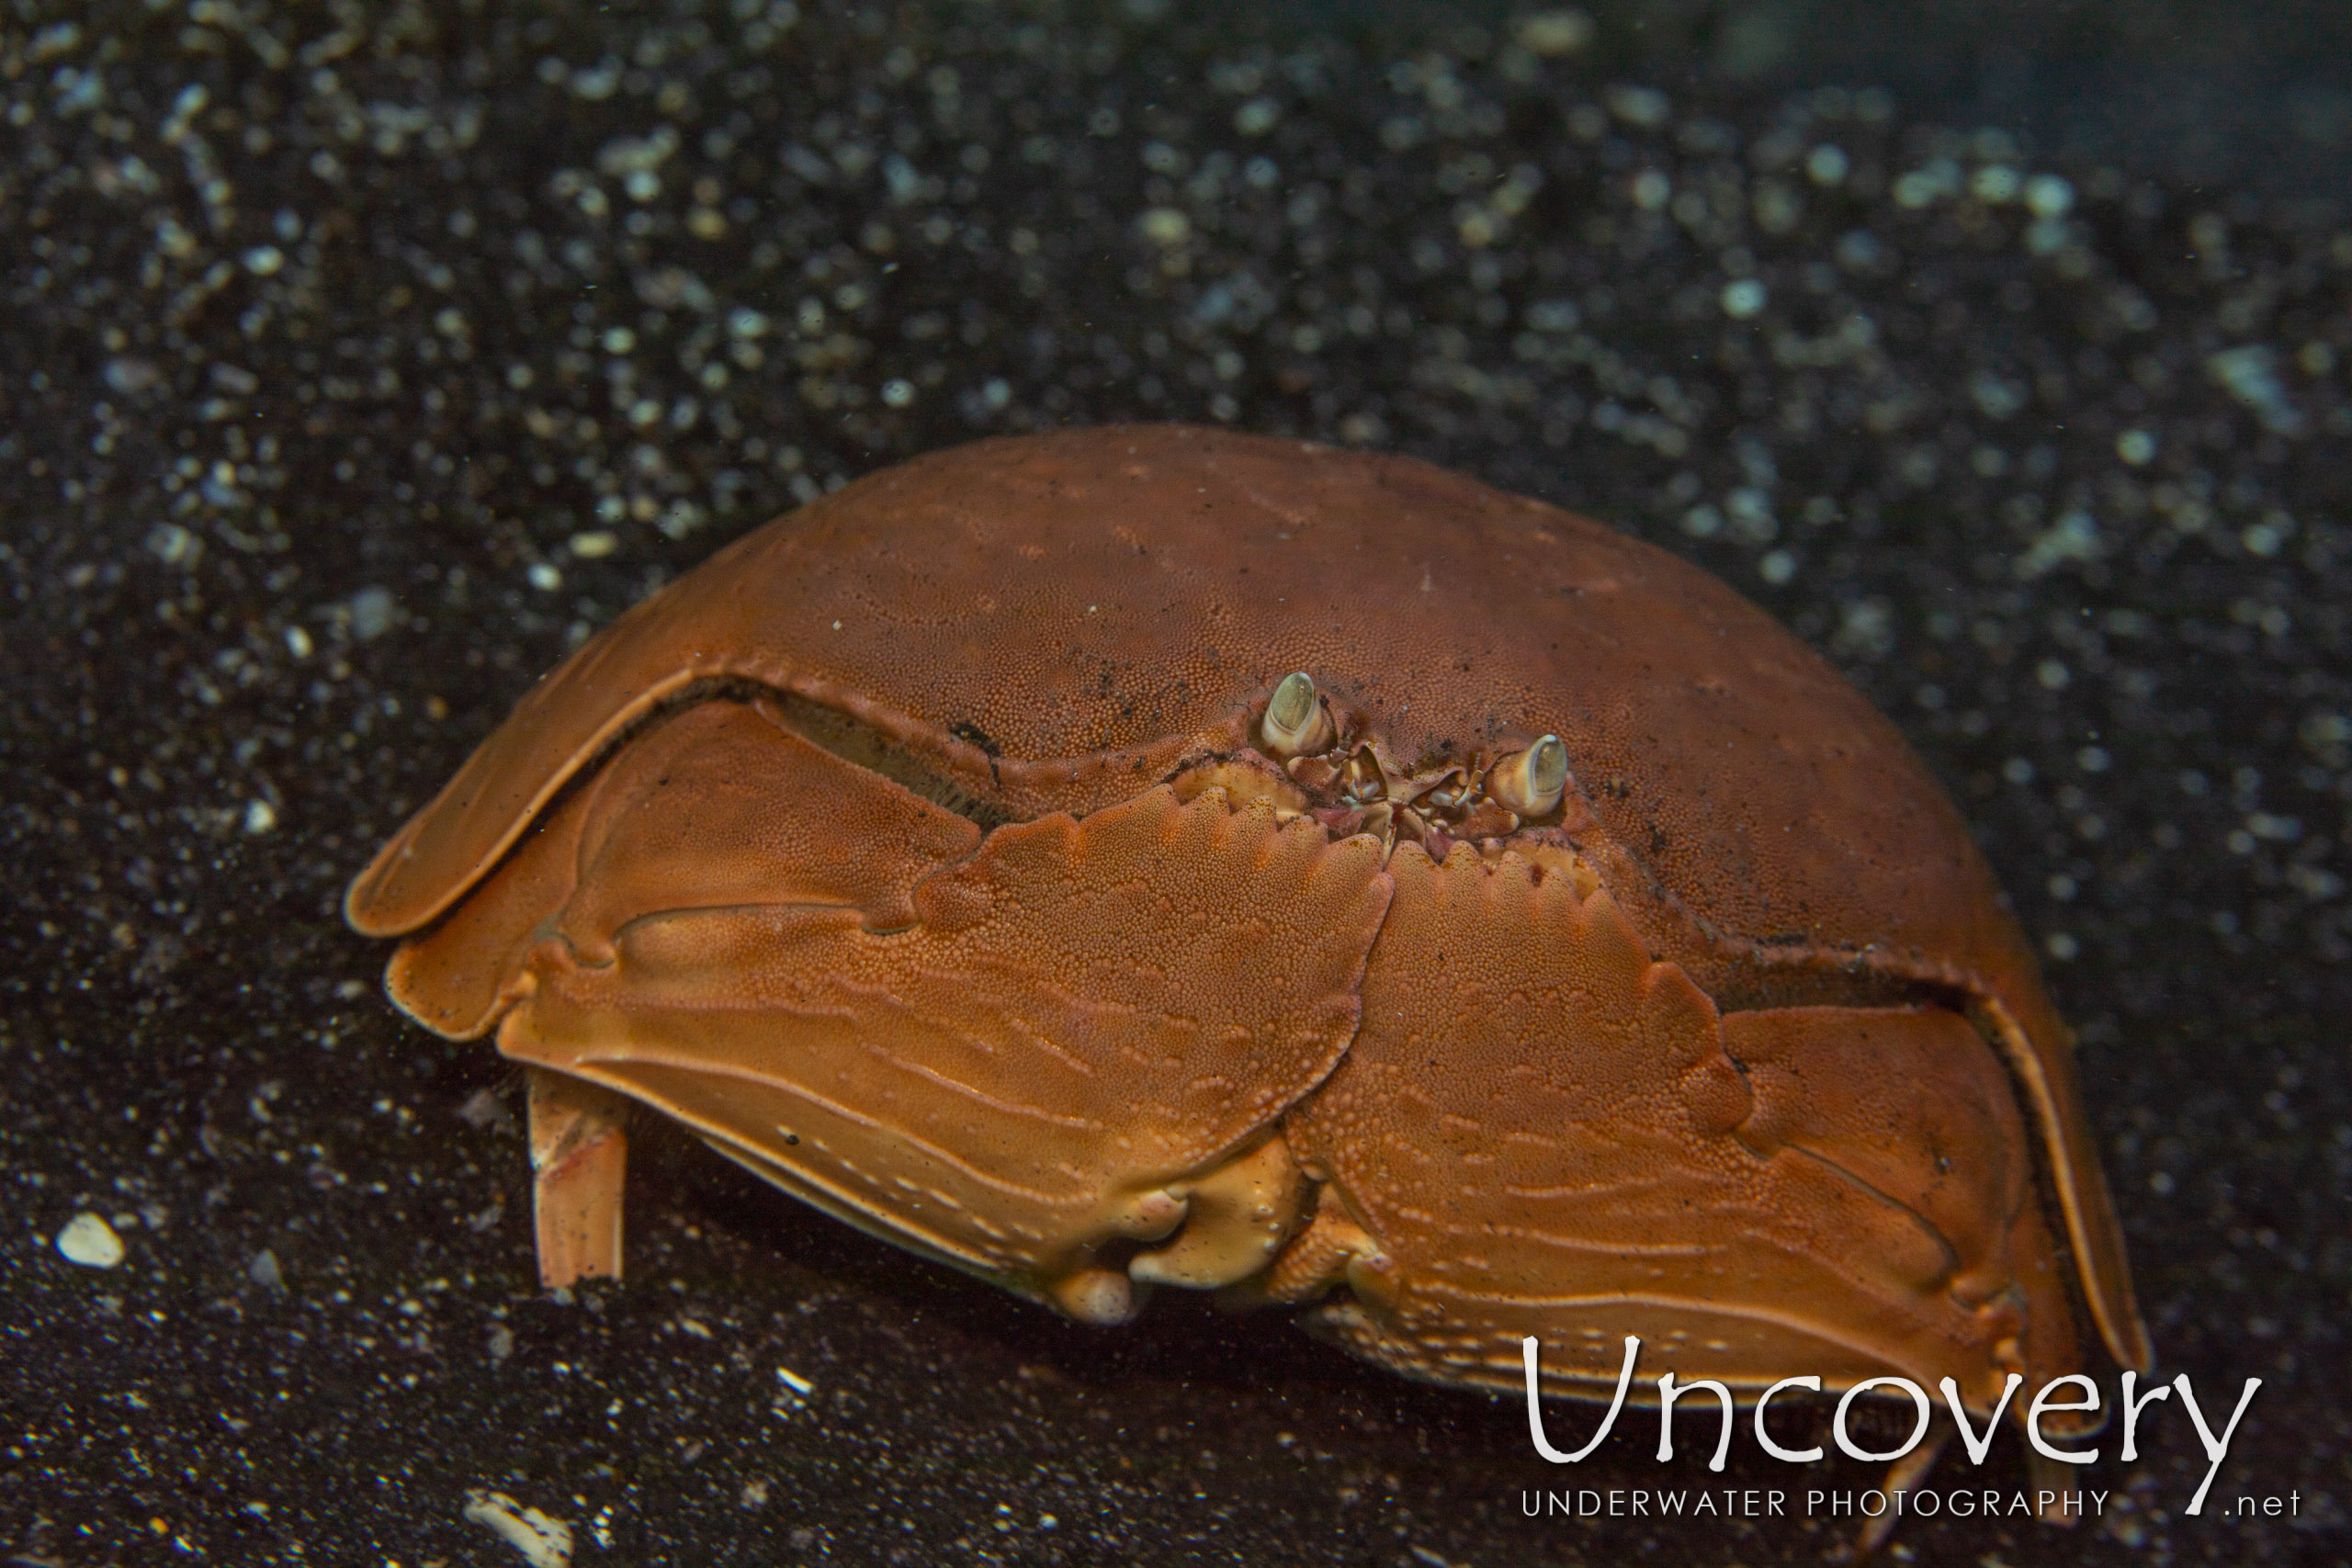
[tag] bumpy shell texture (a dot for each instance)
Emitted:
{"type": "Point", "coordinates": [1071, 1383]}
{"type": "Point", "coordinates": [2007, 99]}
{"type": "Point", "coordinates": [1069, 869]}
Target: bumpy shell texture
{"type": "Point", "coordinates": [1061, 623]}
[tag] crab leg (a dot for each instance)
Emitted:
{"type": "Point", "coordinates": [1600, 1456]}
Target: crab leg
{"type": "Point", "coordinates": [1903, 1475]}
{"type": "Point", "coordinates": [579, 1156]}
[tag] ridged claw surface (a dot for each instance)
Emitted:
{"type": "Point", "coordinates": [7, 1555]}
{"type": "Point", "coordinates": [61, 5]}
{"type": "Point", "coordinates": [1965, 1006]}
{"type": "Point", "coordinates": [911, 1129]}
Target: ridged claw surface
{"type": "Point", "coordinates": [995, 1069]}
{"type": "Point", "coordinates": [1832, 1189]}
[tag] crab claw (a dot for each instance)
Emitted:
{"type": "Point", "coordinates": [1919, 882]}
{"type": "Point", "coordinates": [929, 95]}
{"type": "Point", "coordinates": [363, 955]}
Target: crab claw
{"type": "Point", "coordinates": [1295, 723]}
{"type": "Point", "coordinates": [1530, 782]}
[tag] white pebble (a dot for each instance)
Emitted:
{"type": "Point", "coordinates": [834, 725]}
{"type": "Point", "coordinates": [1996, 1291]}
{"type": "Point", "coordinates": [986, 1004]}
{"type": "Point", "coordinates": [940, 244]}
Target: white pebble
{"type": "Point", "coordinates": [1644, 107]}
{"type": "Point", "coordinates": [90, 1241]}
{"type": "Point", "coordinates": [1165, 226]}
{"type": "Point", "coordinates": [2047, 196]}
{"type": "Point", "coordinates": [373, 610]}
{"type": "Point", "coordinates": [1554, 33]}
{"type": "Point", "coordinates": [1257, 116]}
{"type": "Point", "coordinates": [1996, 183]}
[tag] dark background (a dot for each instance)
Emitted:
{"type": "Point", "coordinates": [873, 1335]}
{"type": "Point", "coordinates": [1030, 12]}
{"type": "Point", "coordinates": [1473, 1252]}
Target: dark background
{"type": "Point", "coordinates": [2257, 94]}
{"type": "Point", "coordinates": [357, 362]}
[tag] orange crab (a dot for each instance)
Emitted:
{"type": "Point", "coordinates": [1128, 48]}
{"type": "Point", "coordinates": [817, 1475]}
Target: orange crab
{"type": "Point", "coordinates": [1156, 856]}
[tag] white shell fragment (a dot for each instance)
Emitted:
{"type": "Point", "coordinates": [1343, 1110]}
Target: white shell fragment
{"type": "Point", "coordinates": [263, 1270]}
{"type": "Point", "coordinates": [544, 1542]}
{"type": "Point", "coordinates": [90, 1241]}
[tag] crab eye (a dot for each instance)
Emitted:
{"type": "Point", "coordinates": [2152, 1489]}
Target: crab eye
{"type": "Point", "coordinates": [1294, 722]}
{"type": "Point", "coordinates": [1531, 782]}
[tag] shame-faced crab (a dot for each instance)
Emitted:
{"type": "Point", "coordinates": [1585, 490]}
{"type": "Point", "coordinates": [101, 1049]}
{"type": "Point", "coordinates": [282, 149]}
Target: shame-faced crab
{"type": "Point", "coordinates": [1157, 856]}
